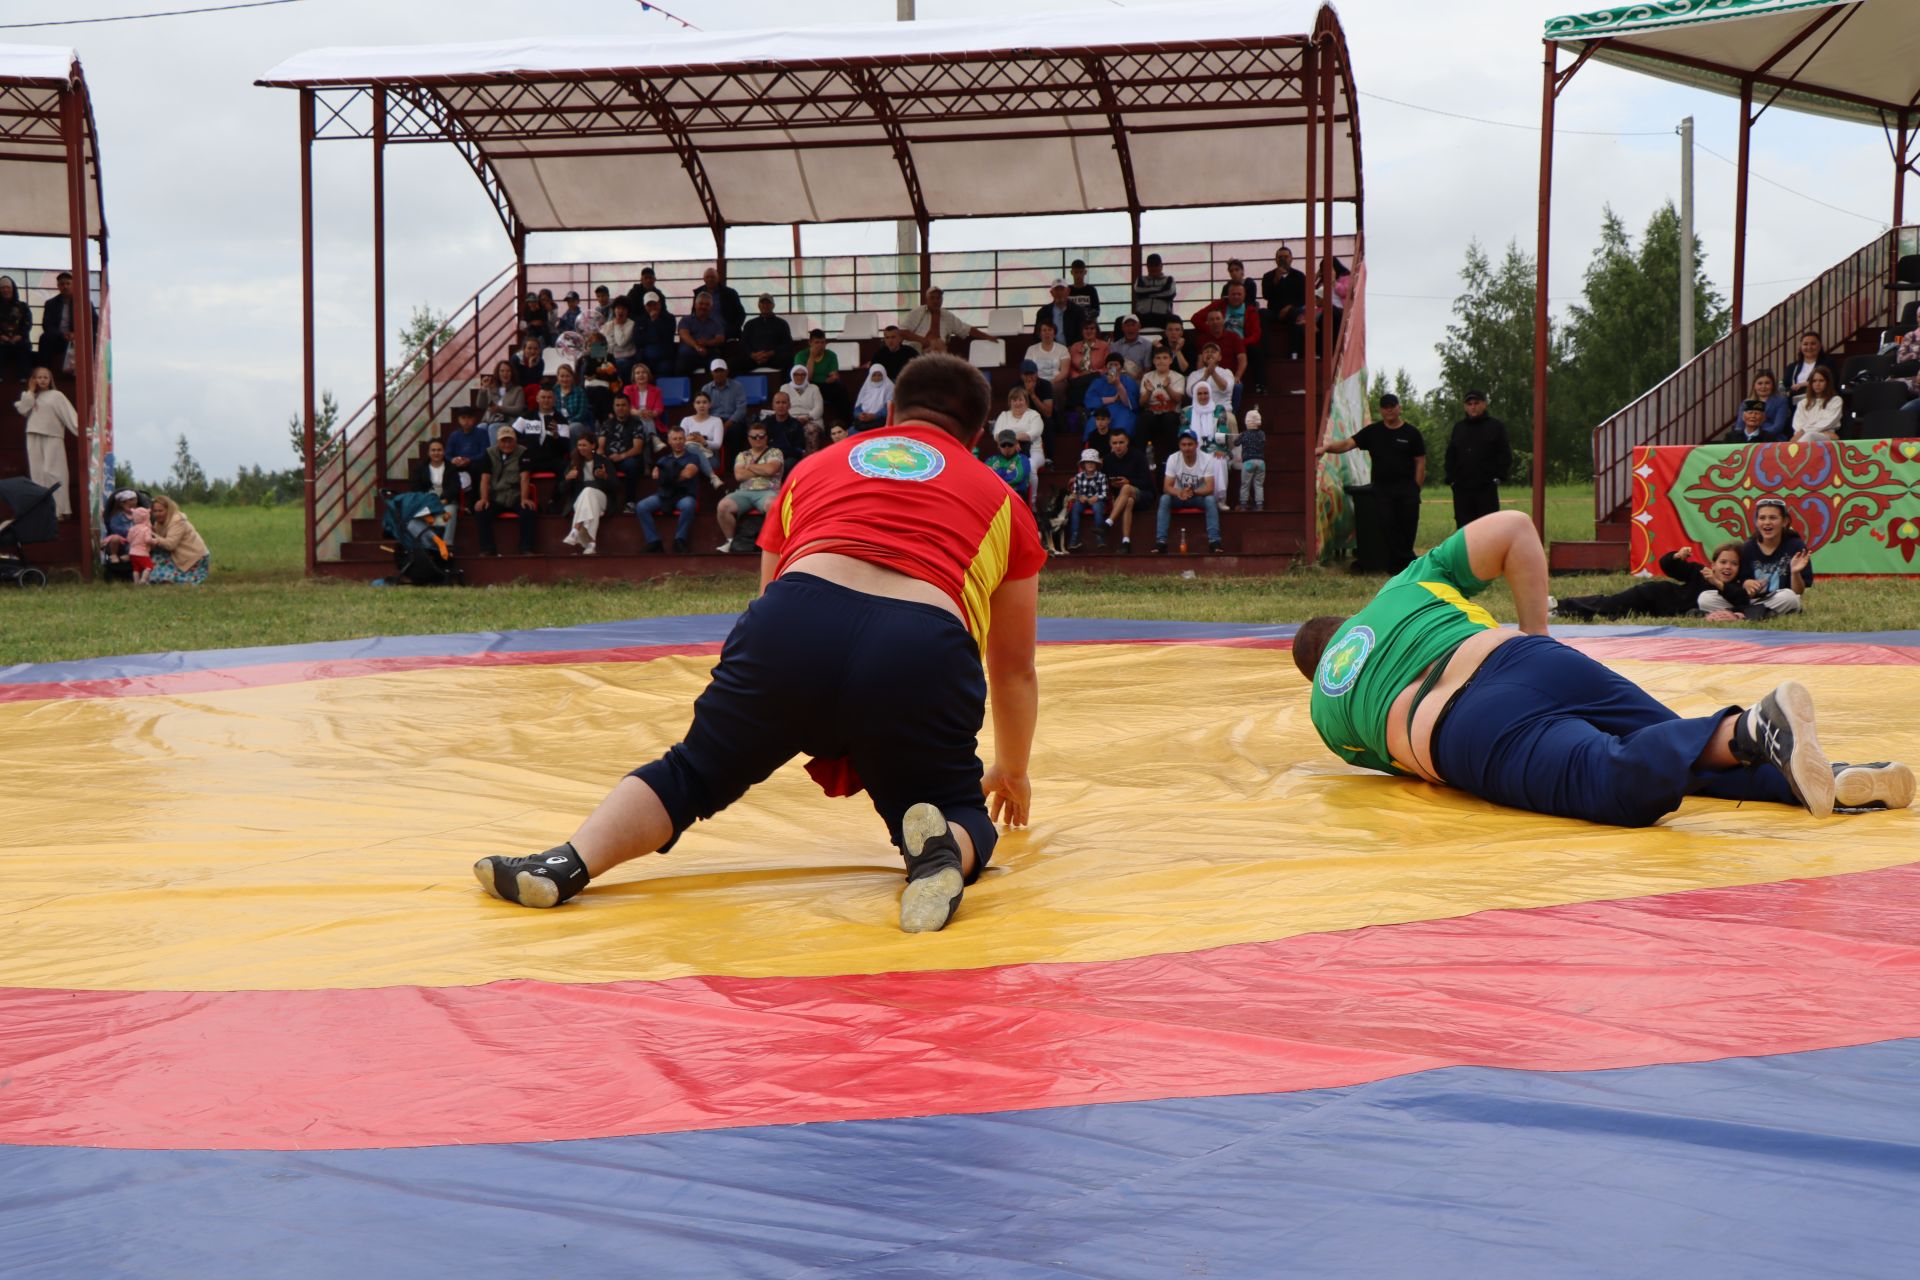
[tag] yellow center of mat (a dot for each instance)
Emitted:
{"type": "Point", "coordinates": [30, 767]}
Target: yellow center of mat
{"type": "Point", "coordinates": [319, 835]}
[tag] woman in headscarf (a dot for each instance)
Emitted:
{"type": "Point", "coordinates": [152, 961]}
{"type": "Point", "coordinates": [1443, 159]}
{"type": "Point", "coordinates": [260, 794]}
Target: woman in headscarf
{"type": "Point", "coordinates": [178, 553]}
{"type": "Point", "coordinates": [16, 328]}
{"type": "Point", "coordinates": [808, 406]}
{"type": "Point", "coordinates": [875, 399]}
{"type": "Point", "coordinates": [1210, 420]}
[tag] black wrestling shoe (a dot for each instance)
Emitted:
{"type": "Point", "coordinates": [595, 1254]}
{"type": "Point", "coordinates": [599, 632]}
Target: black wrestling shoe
{"type": "Point", "coordinates": [1778, 730]}
{"type": "Point", "coordinates": [545, 880]}
{"type": "Point", "coordinates": [1861, 788]}
{"type": "Point", "coordinates": [934, 879]}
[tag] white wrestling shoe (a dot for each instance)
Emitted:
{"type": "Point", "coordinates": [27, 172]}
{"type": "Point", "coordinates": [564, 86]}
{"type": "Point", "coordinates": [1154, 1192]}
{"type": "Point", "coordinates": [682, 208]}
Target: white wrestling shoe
{"type": "Point", "coordinates": [934, 880]}
{"type": "Point", "coordinates": [1861, 788]}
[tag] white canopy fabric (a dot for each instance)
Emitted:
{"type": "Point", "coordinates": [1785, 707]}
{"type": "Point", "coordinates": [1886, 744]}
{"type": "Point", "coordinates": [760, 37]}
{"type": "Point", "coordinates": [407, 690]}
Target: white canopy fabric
{"type": "Point", "coordinates": [1849, 59]}
{"type": "Point", "coordinates": [33, 154]}
{"type": "Point", "coordinates": [1201, 103]}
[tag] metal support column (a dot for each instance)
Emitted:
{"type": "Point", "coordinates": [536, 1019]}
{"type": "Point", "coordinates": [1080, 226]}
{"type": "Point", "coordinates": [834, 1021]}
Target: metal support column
{"type": "Point", "coordinates": [73, 126]}
{"type": "Point", "coordinates": [1549, 91]}
{"type": "Point", "coordinates": [1309, 427]}
{"type": "Point", "coordinates": [1740, 232]}
{"type": "Point", "coordinates": [308, 403]}
{"type": "Point", "coordinates": [379, 288]}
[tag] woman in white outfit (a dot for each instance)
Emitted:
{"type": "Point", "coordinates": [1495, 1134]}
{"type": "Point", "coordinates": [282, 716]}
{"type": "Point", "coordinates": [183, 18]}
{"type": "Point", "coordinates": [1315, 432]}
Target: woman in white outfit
{"type": "Point", "coordinates": [1817, 416]}
{"type": "Point", "coordinates": [1025, 422]}
{"type": "Point", "coordinates": [50, 419]}
{"type": "Point", "coordinates": [589, 481]}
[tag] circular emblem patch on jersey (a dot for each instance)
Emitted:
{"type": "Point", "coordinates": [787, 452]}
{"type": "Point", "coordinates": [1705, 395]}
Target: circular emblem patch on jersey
{"type": "Point", "coordinates": [896, 458]}
{"type": "Point", "coordinates": [1340, 665]}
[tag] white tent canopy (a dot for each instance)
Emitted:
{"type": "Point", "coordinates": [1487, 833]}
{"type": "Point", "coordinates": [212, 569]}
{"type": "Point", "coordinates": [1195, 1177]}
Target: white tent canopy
{"type": "Point", "coordinates": [1850, 59]}
{"type": "Point", "coordinates": [1138, 109]}
{"type": "Point", "coordinates": [33, 153]}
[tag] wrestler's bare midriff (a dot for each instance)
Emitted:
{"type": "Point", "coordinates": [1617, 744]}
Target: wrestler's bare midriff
{"type": "Point", "coordinates": [872, 579]}
{"type": "Point", "coordinates": [1416, 755]}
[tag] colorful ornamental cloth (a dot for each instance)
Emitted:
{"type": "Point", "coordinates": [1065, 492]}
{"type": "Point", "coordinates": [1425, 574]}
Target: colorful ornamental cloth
{"type": "Point", "coordinates": [1857, 505]}
{"type": "Point", "coordinates": [1421, 614]}
{"type": "Point", "coordinates": [911, 499]}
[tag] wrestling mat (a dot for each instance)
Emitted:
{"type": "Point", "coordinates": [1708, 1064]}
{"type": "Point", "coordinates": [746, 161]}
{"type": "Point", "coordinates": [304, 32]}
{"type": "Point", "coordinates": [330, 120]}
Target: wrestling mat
{"type": "Point", "coordinates": [1230, 1008]}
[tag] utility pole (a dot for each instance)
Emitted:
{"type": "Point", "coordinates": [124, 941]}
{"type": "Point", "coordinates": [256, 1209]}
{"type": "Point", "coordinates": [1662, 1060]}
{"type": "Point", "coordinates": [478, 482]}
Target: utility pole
{"type": "Point", "coordinates": [906, 234]}
{"type": "Point", "coordinates": [1686, 240]}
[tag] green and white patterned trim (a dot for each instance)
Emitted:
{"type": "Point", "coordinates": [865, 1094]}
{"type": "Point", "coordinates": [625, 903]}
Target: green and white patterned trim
{"type": "Point", "coordinates": [1656, 15]}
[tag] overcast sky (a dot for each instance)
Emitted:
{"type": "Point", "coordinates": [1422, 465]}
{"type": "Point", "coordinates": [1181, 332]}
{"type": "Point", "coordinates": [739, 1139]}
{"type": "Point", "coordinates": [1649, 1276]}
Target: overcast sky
{"type": "Point", "coordinates": [202, 191]}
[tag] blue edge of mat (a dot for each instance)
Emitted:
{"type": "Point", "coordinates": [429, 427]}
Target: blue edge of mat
{"type": "Point", "coordinates": [712, 628]}
{"type": "Point", "coordinates": [1805, 1163]}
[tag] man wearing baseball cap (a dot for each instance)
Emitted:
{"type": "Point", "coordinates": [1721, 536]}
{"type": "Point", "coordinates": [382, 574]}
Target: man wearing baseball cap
{"type": "Point", "coordinates": [1009, 461]}
{"type": "Point", "coordinates": [1060, 312]}
{"type": "Point", "coordinates": [1478, 460]}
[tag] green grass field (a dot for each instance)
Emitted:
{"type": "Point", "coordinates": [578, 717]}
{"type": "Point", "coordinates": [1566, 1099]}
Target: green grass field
{"type": "Point", "coordinates": [257, 596]}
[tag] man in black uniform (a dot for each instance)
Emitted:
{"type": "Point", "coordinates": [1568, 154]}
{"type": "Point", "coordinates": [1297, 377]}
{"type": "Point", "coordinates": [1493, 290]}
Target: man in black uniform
{"type": "Point", "coordinates": [1399, 456]}
{"type": "Point", "coordinates": [1478, 459]}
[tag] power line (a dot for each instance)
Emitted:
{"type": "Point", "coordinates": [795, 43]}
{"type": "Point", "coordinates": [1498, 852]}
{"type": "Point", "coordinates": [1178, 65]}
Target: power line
{"type": "Point", "coordinates": [137, 17]}
{"type": "Point", "coordinates": [670, 16]}
{"type": "Point", "coordinates": [1511, 124]}
{"type": "Point", "coordinates": [1790, 190]}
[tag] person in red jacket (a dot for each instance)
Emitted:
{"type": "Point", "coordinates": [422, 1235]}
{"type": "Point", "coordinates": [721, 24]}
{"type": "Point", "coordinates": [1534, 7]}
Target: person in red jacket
{"type": "Point", "coordinates": [892, 564]}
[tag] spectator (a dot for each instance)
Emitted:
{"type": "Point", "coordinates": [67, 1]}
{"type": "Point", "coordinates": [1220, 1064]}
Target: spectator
{"type": "Point", "coordinates": [1214, 373]}
{"type": "Point", "coordinates": [1237, 274]}
{"type": "Point", "coordinates": [894, 352]}
{"type": "Point", "coordinates": [1233, 350]}
{"type": "Point", "coordinates": [506, 486]}
{"type": "Point", "coordinates": [16, 323]}
{"type": "Point", "coordinates": [623, 339]}
{"type": "Point", "coordinates": [1029, 430]}
{"type": "Point", "coordinates": [504, 398]}
{"type": "Point", "coordinates": [570, 398]}
{"type": "Point", "coordinates": [1284, 290]}
{"type": "Point", "coordinates": [56, 323]}
{"type": "Point", "coordinates": [1778, 419]}
{"type": "Point", "coordinates": [1812, 356]}
{"type": "Point", "coordinates": [1238, 321]}
{"type": "Point", "coordinates": [784, 431]}
{"type": "Point", "coordinates": [729, 401]}
{"type": "Point", "coordinates": [823, 371]}
{"type": "Point", "coordinates": [704, 433]}
{"type": "Point", "coordinates": [1478, 460]}
{"type": "Point", "coordinates": [1340, 286]}
{"type": "Point", "coordinates": [599, 377]}
{"type": "Point", "coordinates": [757, 468]}
{"type": "Point", "coordinates": [586, 487]}
{"type": "Point", "coordinates": [875, 400]}
{"type": "Point", "coordinates": [1906, 366]}
{"type": "Point", "coordinates": [1398, 453]}
{"type": "Point", "coordinates": [542, 435]}
{"type": "Point", "coordinates": [1115, 392]}
{"type": "Point", "coordinates": [1039, 391]}
{"type": "Point", "coordinates": [120, 509]}
{"type": "Point", "coordinates": [550, 312]}
{"type": "Point", "coordinates": [570, 320]}
{"type": "Point", "coordinates": [467, 447]}
{"type": "Point", "coordinates": [1251, 447]}
{"type": "Point", "coordinates": [768, 338]}
{"type": "Point", "coordinates": [1132, 347]}
{"type": "Point", "coordinates": [656, 335]}
{"type": "Point", "coordinates": [930, 326]}
{"type": "Point", "coordinates": [1089, 494]}
{"type": "Point", "coordinates": [701, 334]}
{"type": "Point", "coordinates": [807, 405]}
{"type": "Point", "coordinates": [643, 393]}
{"type": "Point", "coordinates": [533, 321]}
{"type": "Point", "coordinates": [50, 420]}
{"type": "Point", "coordinates": [646, 287]}
{"type": "Point", "coordinates": [179, 554]}
{"type": "Point", "coordinates": [1190, 482]}
{"type": "Point", "coordinates": [1163, 395]}
{"type": "Point", "coordinates": [1128, 478]}
{"type": "Point", "coordinates": [1775, 568]}
{"type": "Point", "coordinates": [726, 302]}
{"type": "Point", "coordinates": [1225, 443]}
{"type": "Point", "coordinates": [1175, 338]}
{"type": "Point", "coordinates": [1060, 312]}
{"type": "Point", "coordinates": [437, 475]}
{"type": "Point", "coordinates": [600, 312]}
{"type": "Point", "coordinates": [1211, 422]}
{"type": "Point", "coordinates": [674, 477]}
{"type": "Point", "coordinates": [1047, 356]}
{"type": "Point", "coordinates": [1153, 295]}
{"type": "Point", "coordinates": [836, 433]}
{"type": "Point", "coordinates": [1753, 427]}
{"type": "Point", "coordinates": [1817, 417]}
{"type": "Point", "coordinates": [1086, 364]}
{"type": "Point", "coordinates": [1692, 582]}
{"type": "Point", "coordinates": [1010, 464]}
{"type": "Point", "coordinates": [1082, 294]}
{"type": "Point", "coordinates": [1100, 433]}
{"type": "Point", "coordinates": [529, 364]}
{"type": "Point", "coordinates": [625, 445]}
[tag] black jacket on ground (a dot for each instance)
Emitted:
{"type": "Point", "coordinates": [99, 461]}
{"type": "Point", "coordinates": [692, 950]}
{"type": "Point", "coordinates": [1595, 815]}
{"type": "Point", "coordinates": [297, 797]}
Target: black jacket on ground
{"type": "Point", "coordinates": [1478, 453]}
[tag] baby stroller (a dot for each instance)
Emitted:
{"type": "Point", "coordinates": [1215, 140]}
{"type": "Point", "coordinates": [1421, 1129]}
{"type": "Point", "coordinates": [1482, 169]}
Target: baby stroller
{"type": "Point", "coordinates": [421, 557]}
{"type": "Point", "coordinates": [26, 515]}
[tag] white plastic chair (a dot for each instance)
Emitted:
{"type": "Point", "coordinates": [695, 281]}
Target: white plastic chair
{"type": "Point", "coordinates": [800, 325]}
{"type": "Point", "coordinates": [1006, 322]}
{"type": "Point", "coordinates": [847, 353]}
{"type": "Point", "coordinates": [859, 325]}
{"type": "Point", "coordinates": [987, 353]}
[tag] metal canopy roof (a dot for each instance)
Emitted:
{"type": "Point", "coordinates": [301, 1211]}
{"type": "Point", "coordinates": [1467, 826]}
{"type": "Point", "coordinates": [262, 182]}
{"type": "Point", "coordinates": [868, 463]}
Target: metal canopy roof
{"type": "Point", "coordinates": [1854, 60]}
{"type": "Point", "coordinates": [1059, 113]}
{"type": "Point", "coordinates": [33, 151]}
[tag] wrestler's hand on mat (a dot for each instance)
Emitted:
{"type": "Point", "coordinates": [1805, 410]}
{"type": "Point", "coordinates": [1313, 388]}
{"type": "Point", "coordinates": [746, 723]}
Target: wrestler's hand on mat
{"type": "Point", "coordinates": [1008, 796]}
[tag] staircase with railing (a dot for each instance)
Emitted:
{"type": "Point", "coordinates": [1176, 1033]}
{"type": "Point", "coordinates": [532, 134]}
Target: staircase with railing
{"type": "Point", "coordinates": [1847, 304]}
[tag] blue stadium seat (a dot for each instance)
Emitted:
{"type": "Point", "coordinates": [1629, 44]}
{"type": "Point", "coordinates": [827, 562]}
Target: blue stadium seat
{"type": "Point", "coordinates": [675, 392]}
{"type": "Point", "coordinates": [755, 385]}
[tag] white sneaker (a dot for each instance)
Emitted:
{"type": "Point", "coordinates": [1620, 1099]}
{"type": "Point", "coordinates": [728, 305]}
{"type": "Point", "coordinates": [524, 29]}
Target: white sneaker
{"type": "Point", "coordinates": [572, 539]}
{"type": "Point", "coordinates": [724, 548]}
{"type": "Point", "coordinates": [591, 549]}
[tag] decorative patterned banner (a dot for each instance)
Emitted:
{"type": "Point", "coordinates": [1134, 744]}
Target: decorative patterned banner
{"type": "Point", "coordinates": [1856, 504]}
{"type": "Point", "coordinates": [1346, 414]}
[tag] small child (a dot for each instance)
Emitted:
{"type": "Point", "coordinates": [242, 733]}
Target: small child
{"type": "Point", "coordinates": [1253, 462]}
{"type": "Point", "coordinates": [1089, 493]}
{"type": "Point", "coordinates": [1222, 451]}
{"type": "Point", "coordinates": [118, 522]}
{"type": "Point", "coordinates": [140, 542]}
{"type": "Point", "coordinates": [837, 433]}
